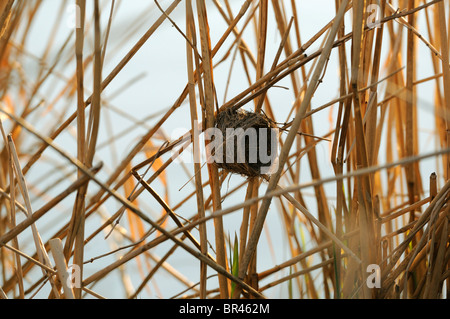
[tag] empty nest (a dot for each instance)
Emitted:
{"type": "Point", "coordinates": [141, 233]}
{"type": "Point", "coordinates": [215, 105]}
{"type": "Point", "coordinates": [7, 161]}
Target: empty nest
{"type": "Point", "coordinates": [239, 157]}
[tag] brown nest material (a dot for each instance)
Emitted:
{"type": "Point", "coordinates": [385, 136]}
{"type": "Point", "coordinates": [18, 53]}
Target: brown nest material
{"type": "Point", "coordinates": [249, 144]}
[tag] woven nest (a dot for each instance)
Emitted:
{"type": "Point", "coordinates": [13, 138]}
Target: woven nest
{"type": "Point", "coordinates": [243, 156]}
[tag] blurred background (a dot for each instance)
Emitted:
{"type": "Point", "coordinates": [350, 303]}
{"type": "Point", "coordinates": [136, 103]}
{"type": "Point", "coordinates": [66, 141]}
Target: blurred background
{"type": "Point", "coordinates": [41, 67]}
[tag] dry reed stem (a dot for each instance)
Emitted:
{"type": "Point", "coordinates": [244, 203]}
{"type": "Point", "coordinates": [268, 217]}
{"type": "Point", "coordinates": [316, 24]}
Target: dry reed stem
{"type": "Point", "coordinates": [410, 103]}
{"type": "Point", "coordinates": [5, 14]}
{"type": "Point", "coordinates": [261, 36]}
{"type": "Point", "coordinates": [12, 212]}
{"type": "Point", "coordinates": [254, 237]}
{"type": "Point", "coordinates": [363, 183]}
{"type": "Point", "coordinates": [253, 183]}
{"type": "Point", "coordinates": [446, 74]}
{"type": "Point", "coordinates": [76, 228]}
{"type": "Point", "coordinates": [196, 142]}
{"type": "Point", "coordinates": [209, 118]}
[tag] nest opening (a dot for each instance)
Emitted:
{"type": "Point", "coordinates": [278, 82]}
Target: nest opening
{"type": "Point", "coordinates": [247, 143]}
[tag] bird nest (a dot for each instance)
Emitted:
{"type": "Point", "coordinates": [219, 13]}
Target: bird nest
{"type": "Point", "coordinates": [248, 144]}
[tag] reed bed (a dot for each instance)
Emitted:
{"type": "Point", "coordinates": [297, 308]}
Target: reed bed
{"type": "Point", "coordinates": [102, 195]}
